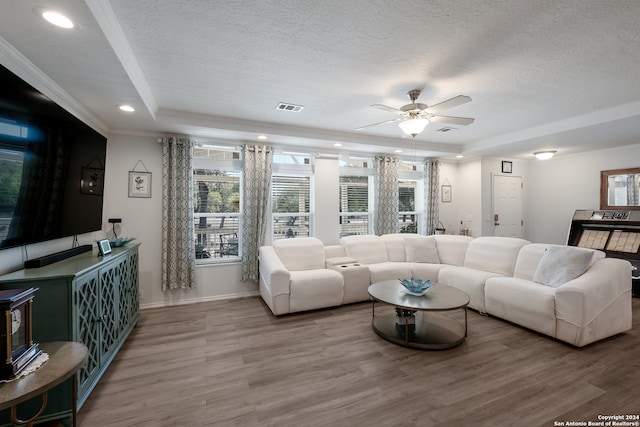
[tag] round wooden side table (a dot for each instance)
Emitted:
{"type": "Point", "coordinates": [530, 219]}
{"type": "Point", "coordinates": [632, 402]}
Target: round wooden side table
{"type": "Point", "coordinates": [65, 359]}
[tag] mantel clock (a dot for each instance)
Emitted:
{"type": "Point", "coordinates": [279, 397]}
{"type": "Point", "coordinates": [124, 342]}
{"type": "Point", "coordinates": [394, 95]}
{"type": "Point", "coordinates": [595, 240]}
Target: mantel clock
{"type": "Point", "coordinates": [17, 348]}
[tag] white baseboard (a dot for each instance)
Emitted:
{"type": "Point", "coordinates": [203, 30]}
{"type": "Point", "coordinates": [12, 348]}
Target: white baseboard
{"type": "Point", "coordinates": [196, 300]}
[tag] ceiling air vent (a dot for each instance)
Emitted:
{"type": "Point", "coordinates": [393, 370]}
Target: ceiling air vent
{"type": "Point", "coordinates": [445, 129]}
{"type": "Point", "coordinates": [282, 106]}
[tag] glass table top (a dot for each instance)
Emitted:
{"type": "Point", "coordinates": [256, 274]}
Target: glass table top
{"type": "Point", "coordinates": [437, 298]}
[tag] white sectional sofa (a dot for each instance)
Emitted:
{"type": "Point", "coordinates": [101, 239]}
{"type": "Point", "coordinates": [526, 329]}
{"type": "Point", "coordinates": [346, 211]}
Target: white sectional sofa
{"type": "Point", "coordinates": [575, 295]}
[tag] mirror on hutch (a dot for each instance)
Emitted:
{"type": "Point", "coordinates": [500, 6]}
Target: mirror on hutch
{"type": "Point", "coordinates": [620, 189]}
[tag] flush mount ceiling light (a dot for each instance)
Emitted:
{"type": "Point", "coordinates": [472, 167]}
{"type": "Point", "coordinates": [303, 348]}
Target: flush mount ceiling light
{"type": "Point", "coordinates": [544, 155]}
{"type": "Point", "coordinates": [127, 108]}
{"type": "Point", "coordinates": [56, 18]}
{"type": "Point", "coordinates": [262, 137]}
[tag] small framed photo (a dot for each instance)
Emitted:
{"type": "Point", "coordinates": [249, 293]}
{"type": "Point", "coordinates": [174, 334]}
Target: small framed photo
{"type": "Point", "coordinates": [507, 167]}
{"type": "Point", "coordinates": [104, 248]}
{"type": "Point", "coordinates": [446, 194]}
{"type": "Point", "coordinates": [139, 184]}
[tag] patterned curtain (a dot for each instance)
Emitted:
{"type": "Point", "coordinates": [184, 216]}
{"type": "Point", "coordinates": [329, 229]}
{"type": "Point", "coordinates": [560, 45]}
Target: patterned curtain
{"type": "Point", "coordinates": [387, 200]}
{"type": "Point", "coordinates": [178, 235]}
{"type": "Point", "coordinates": [632, 189]}
{"type": "Point", "coordinates": [256, 182]}
{"type": "Point", "coordinates": [431, 194]}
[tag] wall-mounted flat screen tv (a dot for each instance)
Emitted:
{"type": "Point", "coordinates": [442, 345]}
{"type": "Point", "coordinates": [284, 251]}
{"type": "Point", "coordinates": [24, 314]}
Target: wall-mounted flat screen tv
{"type": "Point", "coordinates": [51, 168]}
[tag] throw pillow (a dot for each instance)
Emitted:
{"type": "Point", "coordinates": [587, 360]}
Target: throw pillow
{"type": "Point", "coordinates": [559, 264]}
{"type": "Point", "coordinates": [422, 249]}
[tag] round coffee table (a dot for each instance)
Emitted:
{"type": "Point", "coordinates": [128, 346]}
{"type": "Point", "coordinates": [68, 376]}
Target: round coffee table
{"type": "Point", "coordinates": [415, 322]}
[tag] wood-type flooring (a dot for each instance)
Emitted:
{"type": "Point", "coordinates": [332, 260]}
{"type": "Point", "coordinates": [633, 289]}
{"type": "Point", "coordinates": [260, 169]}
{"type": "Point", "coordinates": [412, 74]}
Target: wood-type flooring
{"type": "Point", "coordinates": [232, 363]}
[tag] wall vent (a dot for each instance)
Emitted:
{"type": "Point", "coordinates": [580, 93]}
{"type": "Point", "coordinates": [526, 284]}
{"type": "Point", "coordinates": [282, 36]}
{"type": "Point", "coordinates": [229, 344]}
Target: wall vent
{"type": "Point", "coordinates": [283, 106]}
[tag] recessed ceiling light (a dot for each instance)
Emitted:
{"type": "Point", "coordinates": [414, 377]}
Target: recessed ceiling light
{"type": "Point", "coordinates": [459, 156]}
{"type": "Point", "coordinates": [127, 108]}
{"type": "Point", "coordinates": [398, 151]}
{"type": "Point", "coordinates": [337, 144]}
{"type": "Point", "coordinates": [56, 18]}
{"type": "Point", "coordinates": [262, 137]}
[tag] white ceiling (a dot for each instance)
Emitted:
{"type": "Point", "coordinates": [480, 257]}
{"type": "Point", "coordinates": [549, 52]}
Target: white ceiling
{"type": "Point", "coordinates": [544, 74]}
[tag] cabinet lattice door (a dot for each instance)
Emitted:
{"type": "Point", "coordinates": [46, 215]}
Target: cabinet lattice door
{"type": "Point", "coordinates": [88, 323]}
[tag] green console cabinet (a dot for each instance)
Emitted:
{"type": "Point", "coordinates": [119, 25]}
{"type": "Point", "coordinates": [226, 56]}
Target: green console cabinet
{"type": "Point", "coordinates": [86, 298]}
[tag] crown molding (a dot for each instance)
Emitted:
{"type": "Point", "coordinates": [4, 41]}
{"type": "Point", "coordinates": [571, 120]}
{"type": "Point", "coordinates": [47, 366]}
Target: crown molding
{"type": "Point", "coordinates": [18, 64]}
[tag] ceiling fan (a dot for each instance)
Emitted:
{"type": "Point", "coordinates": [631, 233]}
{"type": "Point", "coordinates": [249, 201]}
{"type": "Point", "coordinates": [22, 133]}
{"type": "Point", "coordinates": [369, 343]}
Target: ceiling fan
{"type": "Point", "coordinates": [414, 117]}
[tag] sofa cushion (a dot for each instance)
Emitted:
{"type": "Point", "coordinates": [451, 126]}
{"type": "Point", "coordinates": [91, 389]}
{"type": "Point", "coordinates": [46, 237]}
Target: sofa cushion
{"type": "Point", "coordinates": [395, 246]}
{"type": "Point", "coordinates": [422, 249]}
{"type": "Point", "coordinates": [494, 254]}
{"type": "Point", "coordinates": [468, 280]}
{"type": "Point", "coordinates": [425, 270]}
{"type": "Point", "coordinates": [389, 271]}
{"type": "Point", "coordinates": [559, 264]}
{"type": "Point", "coordinates": [301, 253]}
{"type": "Point", "coordinates": [311, 289]}
{"type": "Point", "coordinates": [452, 248]}
{"type": "Point", "coordinates": [367, 249]}
{"type": "Point", "coordinates": [528, 259]}
{"type": "Point", "coordinates": [523, 302]}
{"type": "Point", "coordinates": [530, 255]}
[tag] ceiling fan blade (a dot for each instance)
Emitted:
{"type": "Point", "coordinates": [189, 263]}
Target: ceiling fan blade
{"type": "Point", "coordinates": [452, 120]}
{"type": "Point", "coordinates": [449, 103]}
{"type": "Point", "coordinates": [380, 123]}
{"type": "Point", "coordinates": [385, 108]}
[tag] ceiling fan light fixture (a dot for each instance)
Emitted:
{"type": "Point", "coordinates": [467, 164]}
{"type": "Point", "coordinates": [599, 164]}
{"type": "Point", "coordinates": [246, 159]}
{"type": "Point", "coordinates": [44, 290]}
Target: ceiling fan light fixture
{"type": "Point", "coordinates": [414, 126]}
{"type": "Point", "coordinates": [544, 155]}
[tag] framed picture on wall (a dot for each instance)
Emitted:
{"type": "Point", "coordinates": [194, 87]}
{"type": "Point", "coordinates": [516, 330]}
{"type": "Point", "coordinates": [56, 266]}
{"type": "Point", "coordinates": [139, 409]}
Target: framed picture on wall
{"type": "Point", "coordinates": [507, 167]}
{"type": "Point", "coordinates": [446, 194]}
{"type": "Point", "coordinates": [139, 184]}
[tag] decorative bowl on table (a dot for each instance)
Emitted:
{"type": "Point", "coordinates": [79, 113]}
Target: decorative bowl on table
{"type": "Point", "coordinates": [120, 241]}
{"type": "Point", "coordinates": [415, 286]}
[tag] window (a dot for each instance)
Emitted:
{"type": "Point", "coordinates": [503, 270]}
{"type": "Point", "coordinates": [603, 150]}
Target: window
{"type": "Point", "coordinates": [410, 189]}
{"type": "Point", "coordinates": [217, 218]}
{"type": "Point", "coordinates": [290, 201]}
{"type": "Point", "coordinates": [356, 177]}
{"type": "Point", "coordinates": [291, 196]}
{"type": "Point", "coordinates": [407, 206]}
{"type": "Point", "coordinates": [354, 205]}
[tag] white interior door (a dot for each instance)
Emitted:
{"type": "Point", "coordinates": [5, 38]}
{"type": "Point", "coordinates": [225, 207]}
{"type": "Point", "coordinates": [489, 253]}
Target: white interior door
{"type": "Point", "coordinates": [507, 206]}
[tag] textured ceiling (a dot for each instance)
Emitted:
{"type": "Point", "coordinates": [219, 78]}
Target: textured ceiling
{"type": "Point", "coordinates": [545, 74]}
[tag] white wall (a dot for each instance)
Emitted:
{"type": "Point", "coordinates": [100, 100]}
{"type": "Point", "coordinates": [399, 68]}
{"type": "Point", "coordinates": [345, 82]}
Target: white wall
{"type": "Point", "coordinates": [465, 205]}
{"type": "Point", "coordinates": [448, 175]}
{"type": "Point", "coordinates": [327, 199]}
{"type": "Point", "coordinates": [557, 187]}
{"type": "Point", "coordinates": [142, 218]}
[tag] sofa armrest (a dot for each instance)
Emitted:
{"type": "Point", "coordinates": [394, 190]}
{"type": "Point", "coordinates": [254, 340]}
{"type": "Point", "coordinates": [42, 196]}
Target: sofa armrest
{"type": "Point", "coordinates": [273, 273]}
{"type": "Point", "coordinates": [583, 299]}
